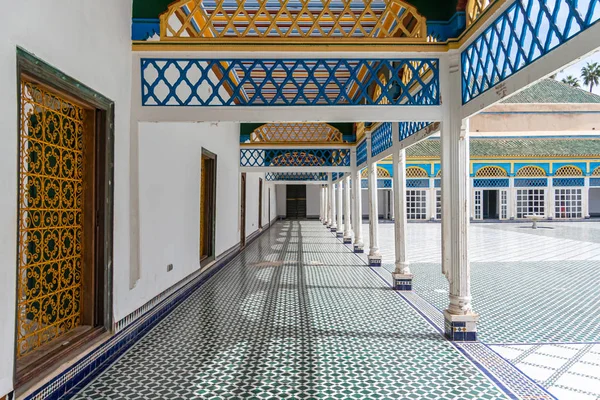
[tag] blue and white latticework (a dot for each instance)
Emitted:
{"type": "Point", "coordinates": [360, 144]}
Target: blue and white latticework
{"type": "Point", "coordinates": [526, 31]}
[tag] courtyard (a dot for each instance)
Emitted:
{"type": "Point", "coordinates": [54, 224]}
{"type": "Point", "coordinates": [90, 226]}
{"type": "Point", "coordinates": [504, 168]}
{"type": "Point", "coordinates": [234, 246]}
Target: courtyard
{"type": "Point", "coordinates": [537, 291]}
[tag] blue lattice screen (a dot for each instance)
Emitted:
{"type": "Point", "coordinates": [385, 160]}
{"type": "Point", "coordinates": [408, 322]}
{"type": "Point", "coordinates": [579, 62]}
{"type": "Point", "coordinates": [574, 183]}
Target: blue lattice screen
{"type": "Point", "coordinates": [361, 153]}
{"type": "Point", "coordinates": [294, 158]}
{"type": "Point", "coordinates": [296, 176]}
{"type": "Point", "coordinates": [407, 129]}
{"type": "Point", "coordinates": [568, 182]}
{"type": "Point", "coordinates": [237, 82]}
{"type": "Point", "coordinates": [382, 183]}
{"type": "Point", "coordinates": [437, 183]}
{"type": "Point", "coordinates": [594, 181]}
{"type": "Point", "coordinates": [526, 31]}
{"type": "Point", "coordinates": [417, 183]}
{"type": "Point", "coordinates": [381, 138]}
{"type": "Point", "coordinates": [490, 183]}
{"type": "Point", "coordinates": [531, 182]}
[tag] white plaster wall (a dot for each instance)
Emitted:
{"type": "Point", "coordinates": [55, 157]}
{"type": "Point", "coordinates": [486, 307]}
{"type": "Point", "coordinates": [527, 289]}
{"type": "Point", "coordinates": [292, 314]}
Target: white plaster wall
{"type": "Point", "coordinates": [281, 200]}
{"type": "Point", "coordinates": [90, 41]}
{"type": "Point", "coordinates": [594, 200]}
{"type": "Point", "coordinates": [170, 202]}
{"type": "Point", "coordinates": [365, 202]}
{"type": "Point", "coordinates": [313, 200]}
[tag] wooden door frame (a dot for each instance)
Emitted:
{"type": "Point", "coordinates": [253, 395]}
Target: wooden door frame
{"type": "Point", "coordinates": [212, 254]}
{"type": "Point", "coordinates": [243, 210]}
{"type": "Point", "coordinates": [102, 200]}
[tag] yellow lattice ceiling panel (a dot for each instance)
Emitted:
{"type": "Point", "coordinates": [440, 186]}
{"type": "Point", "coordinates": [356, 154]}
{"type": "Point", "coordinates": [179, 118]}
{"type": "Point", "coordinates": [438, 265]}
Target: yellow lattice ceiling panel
{"type": "Point", "coordinates": [568, 170]}
{"type": "Point", "coordinates": [381, 173]}
{"type": "Point", "coordinates": [491, 171]}
{"type": "Point", "coordinates": [194, 19]}
{"type": "Point", "coordinates": [294, 132]}
{"type": "Point", "coordinates": [531, 170]}
{"type": "Point", "coordinates": [475, 8]}
{"type": "Point", "coordinates": [416, 172]}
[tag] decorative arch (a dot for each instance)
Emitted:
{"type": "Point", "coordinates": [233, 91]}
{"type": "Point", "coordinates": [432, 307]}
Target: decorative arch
{"type": "Point", "coordinates": [416, 172]}
{"type": "Point", "coordinates": [475, 8]}
{"type": "Point", "coordinates": [295, 132]}
{"type": "Point", "coordinates": [381, 173]}
{"type": "Point", "coordinates": [491, 171]}
{"type": "Point", "coordinates": [596, 171]}
{"type": "Point", "coordinates": [569, 170]}
{"type": "Point", "coordinates": [197, 19]}
{"type": "Point", "coordinates": [531, 171]}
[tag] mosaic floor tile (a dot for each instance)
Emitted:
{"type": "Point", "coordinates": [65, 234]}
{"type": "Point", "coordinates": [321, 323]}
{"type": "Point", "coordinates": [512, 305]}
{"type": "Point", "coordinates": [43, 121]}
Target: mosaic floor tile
{"type": "Point", "coordinates": [537, 287]}
{"type": "Point", "coordinates": [294, 330]}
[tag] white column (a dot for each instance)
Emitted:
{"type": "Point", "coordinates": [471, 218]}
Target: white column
{"type": "Point", "coordinates": [357, 214]}
{"type": "Point", "coordinates": [321, 204]}
{"type": "Point", "coordinates": [585, 198]}
{"type": "Point", "coordinates": [402, 276]}
{"type": "Point", "coordinates": [330, 220]}
{"type": "Point", "coordinates": [511, 196]}
{"type": "Point", "coordinates": [333, 202]}
{"type": "Point", "coordinates": [393, 205]}
{"type": "Point", "coordinates": [374, 254]}
{"type": "Point", "coordinates": [340, 210]}
{"type": "Point", "coordinates": [347, 227]}
{"type": "Point", "coordinates": [432, 199]}
{"type": "Point", "coordinates": [550, 199]}
{"type": "Point", "coordinates": [460, 320]}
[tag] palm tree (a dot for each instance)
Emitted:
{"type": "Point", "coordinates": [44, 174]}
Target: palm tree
{"type": "Point", "coordinates": [571, 81]}
{"type": "Point", "coordinates": [591, 75]}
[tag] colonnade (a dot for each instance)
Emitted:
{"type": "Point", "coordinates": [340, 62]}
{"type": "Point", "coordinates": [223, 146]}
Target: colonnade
{"type": "Point", "coordinates": [460, 319]}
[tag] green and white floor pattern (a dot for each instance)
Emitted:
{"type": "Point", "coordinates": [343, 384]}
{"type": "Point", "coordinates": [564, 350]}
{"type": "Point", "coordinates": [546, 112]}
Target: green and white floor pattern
{"type": "Point", "coordinates": [538, 293]}
{"type": "Point", "coordinates": [298, 316]}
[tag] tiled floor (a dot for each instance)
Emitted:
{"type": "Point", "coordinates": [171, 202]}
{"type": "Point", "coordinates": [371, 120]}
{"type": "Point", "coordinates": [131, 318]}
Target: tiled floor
{"type": "Point", "coordinates": [538, 293]}
{"type": "Point", "coordinates": [297, 316]}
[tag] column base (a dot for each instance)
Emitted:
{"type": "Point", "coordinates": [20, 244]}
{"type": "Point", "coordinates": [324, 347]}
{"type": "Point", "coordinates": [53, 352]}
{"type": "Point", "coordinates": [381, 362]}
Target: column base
{"type": "Point", "coordinates": [347, 240]}
{"type": "Point", "coordinates": [333, 229]}
{"type": "Point", "coordinates": [375, 261]}
{"type": "Point", "coordinates": [339, 234]}
{"type": "Point", "coordinates": [461, 328]}
{"type": "Point", "coordinates": [359, 248]}
{"type": "Point", "coordinates": [403, 282]}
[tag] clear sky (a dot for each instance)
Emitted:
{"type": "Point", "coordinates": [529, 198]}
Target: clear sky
{"type": "Point", "coordinates": [575, 70]}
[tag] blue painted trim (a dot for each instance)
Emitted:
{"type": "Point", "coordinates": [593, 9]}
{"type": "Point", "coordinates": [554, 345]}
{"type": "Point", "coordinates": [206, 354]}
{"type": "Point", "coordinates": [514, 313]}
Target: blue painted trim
{"type": "Point", "coordinates": [144, 28]}
{"type": "Point", "coordinates": [444, 30]}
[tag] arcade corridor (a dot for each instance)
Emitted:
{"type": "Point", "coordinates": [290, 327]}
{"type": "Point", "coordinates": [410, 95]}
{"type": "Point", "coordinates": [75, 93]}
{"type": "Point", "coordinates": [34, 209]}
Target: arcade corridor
{"type": "Point", "coordinates": [296, 315]}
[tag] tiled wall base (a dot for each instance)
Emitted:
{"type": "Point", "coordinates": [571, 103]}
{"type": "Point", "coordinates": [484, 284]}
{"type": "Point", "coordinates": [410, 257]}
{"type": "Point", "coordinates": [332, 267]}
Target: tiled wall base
{"type": "Point", "coordinates": [374, 261]}
{"type": "Point", "coordinates": [402, 283]}
{"type": "Point", "coordinates": [460, 328]}
{"type": "Point", "coordinates": [76, 377]}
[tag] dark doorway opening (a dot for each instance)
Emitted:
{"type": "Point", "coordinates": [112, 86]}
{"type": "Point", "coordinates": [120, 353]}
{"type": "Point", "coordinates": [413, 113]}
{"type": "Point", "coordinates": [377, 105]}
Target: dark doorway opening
{"type": "Point", "coordinates": [491, 204]}
{"type": "Point", "coordinates": [208, 189]}
{"type": "Point", "coordinates": [296, 201]}
{"type": "Point", "coordinates": [243, 212]}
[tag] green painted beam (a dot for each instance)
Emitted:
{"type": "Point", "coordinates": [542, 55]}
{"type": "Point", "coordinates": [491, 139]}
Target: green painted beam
{"type": "Point", "coordinates": [433, 10]}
